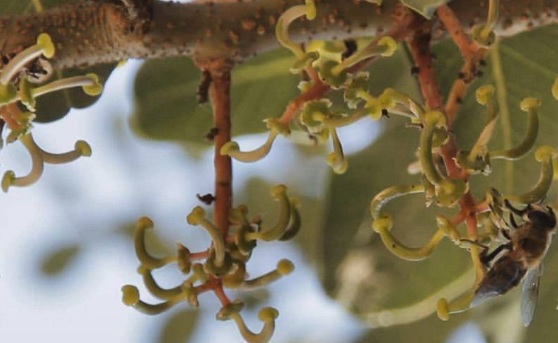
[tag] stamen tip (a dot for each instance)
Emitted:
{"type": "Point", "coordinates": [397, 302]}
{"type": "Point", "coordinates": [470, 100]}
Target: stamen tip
{"type": "Point", "coordinates": [130, 295]}
{"type": "Point", "coordinates": [7, 180]}
{"type": "Point", "coordinates": [45, 42]}
{"type": "Point", "coordinates": [83, 148]}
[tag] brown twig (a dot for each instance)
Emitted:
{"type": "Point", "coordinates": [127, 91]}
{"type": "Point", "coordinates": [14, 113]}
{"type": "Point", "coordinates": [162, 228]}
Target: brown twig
{"type": "Point", "coordinates": [472, 55]}
{"type": "Point", "coordinates": [419, 44]}
{"type": "Point", "coordinates": [219, 91]}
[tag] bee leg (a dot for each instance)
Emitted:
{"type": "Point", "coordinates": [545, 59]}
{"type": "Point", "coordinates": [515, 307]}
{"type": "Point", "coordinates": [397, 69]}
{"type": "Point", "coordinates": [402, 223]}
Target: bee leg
{"type": "Point", "coordinates": [487, 258]}
{"type": "Point", "coordinates": [506, 233]}
{"type": "Point", "coordinates": [512, 222]}
{"type": "Point", "coordinates": [516, 211]}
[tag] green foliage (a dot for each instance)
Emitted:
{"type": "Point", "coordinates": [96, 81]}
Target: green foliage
{"type": "Point", "coordinates": [427, 8]}
{"type": "Point", "coordinates": [179, 327]}
{"type": "Point", "coordinates": [167, 108]}
{"type": "Point", "coordinates": [8, 7]}
{"type": "Point", "coordinates": [59, 260]}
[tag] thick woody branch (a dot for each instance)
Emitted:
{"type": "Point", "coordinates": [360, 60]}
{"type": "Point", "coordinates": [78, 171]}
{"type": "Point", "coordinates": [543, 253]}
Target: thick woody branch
{"type": "Point", "coordinates": [93, 32]}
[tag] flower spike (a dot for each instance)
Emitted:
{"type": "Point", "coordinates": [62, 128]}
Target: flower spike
{"type": "Point", "coordinates": [477, 160]}
{"type": "Point", "coordinates": [382, 224]}
{"type": "Point", "coordinates": [130, 297]}
{"type": "Point", "coordinates": [282, 33]}
{"type": "Point", "coordinates": [284, 267]}
{"type": "Point", "coordinates": [445, 308]}
{"type": "Point", "coordinates": [384, 47]}
{"type": "Point", "coordinates": [276, 128]}
{"type": "Point", "coordinates": [197, 217]}
{"type": "Point", "coordinates": [431, 120]}
{"type": "Point", "coordinates": [37, 168]}
{"type": "Point", "coordinates": [147, 261]}
{"type": "Point", "coordinates": [336, 159]}
{"type": "Point", "coordinates": [155, 289]}
{"type": "Point", "coordinates": [545, 155]}
{"type": "Point", "coordinates": [89, 83]}
{"type": "Point", "coordinates": [483, 33]}
{"type": "Point", "coordinates": [294, 223]}
{"type": "Point", "coordinates": [279, 193]}
{"type": "Point", "coordinates": [267, 316]}
{"type": "Point", "coordinates": [529, 105]}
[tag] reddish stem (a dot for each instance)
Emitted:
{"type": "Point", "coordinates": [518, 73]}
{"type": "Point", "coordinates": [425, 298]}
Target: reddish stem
{"type": "Point", "coordinates": [220, 99]}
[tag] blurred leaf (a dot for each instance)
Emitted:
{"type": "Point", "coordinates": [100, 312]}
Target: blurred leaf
{"type": "Point", "coordinates": [54, 106]}
{"type": "Point", "coordinates": [431, 330]}
{"type": "Point", "coordinates": [529, 66]}
{"type": "Point", "coordinates": [425, 7]}
{"type": "Point", "coordinates": [179, 327]}
{"type": "Point", "coordinates": [27, 6]}
{"type": "Point", "coordinates": [58, 261]}
{"type": "Point", "coordinates": [166, 107]}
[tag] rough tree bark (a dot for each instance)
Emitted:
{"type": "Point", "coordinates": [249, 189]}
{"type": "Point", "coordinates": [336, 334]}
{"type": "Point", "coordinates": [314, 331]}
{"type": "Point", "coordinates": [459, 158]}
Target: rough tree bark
{"type": "Point", "coordinates": [93, 32]}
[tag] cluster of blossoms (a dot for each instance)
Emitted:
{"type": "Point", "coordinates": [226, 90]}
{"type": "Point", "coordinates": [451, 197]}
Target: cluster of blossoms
{"type": "Point", "coordinates": [223, 265]}
{"type": "Point", "coordinates": [23, 78]}
{"type": "Point", "coordinates": [316, 115]}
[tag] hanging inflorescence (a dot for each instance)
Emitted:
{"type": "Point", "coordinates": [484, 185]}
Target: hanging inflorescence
{"type": "Point", "coordinates": [222, 266]}
{"type": "Point", "coordinates": [323, 67]}
{"type": "Point", "coordinates": [483, 220]}
{"type": "Point", "coordinates": [23, 78]}
{"type": "Point", "coordinates": [339, 70]}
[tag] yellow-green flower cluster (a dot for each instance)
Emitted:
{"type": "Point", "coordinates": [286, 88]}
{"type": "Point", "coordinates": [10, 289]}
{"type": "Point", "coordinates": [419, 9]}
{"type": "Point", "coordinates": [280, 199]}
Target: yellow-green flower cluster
{"type": "Point", "coordinates": [19, 89]}
{"type": "Point", "coordinates": [223, 265]}
{"type": "Point", "coordinates": [446, 189]}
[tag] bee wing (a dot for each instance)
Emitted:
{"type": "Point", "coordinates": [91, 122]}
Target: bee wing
{"type": "Point", "coordinates": [529, 294]}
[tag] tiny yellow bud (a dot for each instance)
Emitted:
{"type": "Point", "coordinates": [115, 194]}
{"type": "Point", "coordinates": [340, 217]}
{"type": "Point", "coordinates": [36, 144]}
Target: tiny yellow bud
{"type": "Point", "coordinates": [484, 94]}
{"type": "Point", "coordinates": [545, 152]}
{"type": "Point", "coordinates": [130, 295]}
{"type": "Point", "coordinates": [268, 314]}
{"type": "Point", "coordinates": [390, 45]}
{"type": "Point", "coordinates": [529, 104]}
{"type": "Point", "coordinates": [194, 218]}
{"type": "Point", "coordinates": [383, 223]}
{"type": "Point", "coordinates": [83, 148]}
{"type": "Point", "coordinates": [94, 89]}
{"type": "Point", "coordinates": [45, 42]}
{"type": "Point", "coordinates": [285, 267]}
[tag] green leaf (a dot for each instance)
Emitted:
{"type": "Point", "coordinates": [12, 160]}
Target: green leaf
{"type": "Point", "coordinates": [426, 8]}
{"type": "Point", "coordinates": [8, 7]}
{"type": "Point", "coordinates": [166, 107]}
{"type": "Point", "coordinates": [179, 327]}
{"type": "Point", "coordinates": [58, 261]}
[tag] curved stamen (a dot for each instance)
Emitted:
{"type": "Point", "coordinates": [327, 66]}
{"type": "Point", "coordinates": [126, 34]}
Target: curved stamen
{"type": "Point", "coordinates": [37, 166]}
{"type": "Point", "coordinates": [284, 267]}
{"type": "Point", "coordinates": [44, 47]}
{"type": "Point", "coordinates": [197, 217]}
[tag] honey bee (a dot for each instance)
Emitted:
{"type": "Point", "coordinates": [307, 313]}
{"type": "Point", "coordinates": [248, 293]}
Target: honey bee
{"type": "Point", "coordinates": [520, 258]}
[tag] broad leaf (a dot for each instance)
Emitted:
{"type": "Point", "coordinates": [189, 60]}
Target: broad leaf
{"type": "Point", "coordinates": [59, 260]}
{"type": "Point", "coordinates": [167, 108]}
{"type": "Point", "coordinates": [426, 8]}
{"type": "Point", "coordinates": [179, 327]}
{"type": "Point", "coordinates": [28, 6]}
